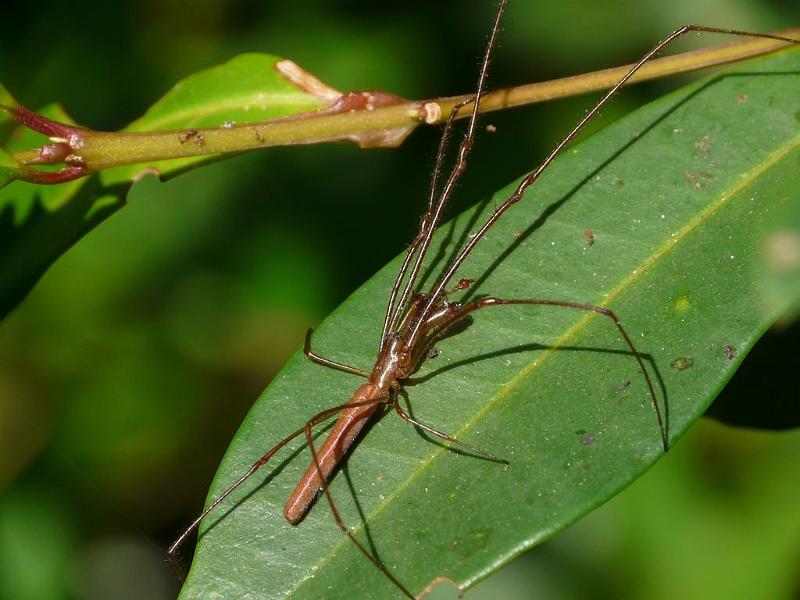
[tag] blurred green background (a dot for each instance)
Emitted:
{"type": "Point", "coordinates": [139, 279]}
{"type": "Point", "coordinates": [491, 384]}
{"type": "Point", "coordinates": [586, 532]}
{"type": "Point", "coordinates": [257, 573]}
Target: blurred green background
{"type": "Point", "coordinates": [126, 371]}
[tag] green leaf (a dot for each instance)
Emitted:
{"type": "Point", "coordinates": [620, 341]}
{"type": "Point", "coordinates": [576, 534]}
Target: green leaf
{"type": "Point", "coordinates": [683, 199]}
{"type": "Point", "coordinates": [246, 89]}
{"type": "Point", "coordinates": [9, 169]}
{"type": "Point", "coordinates": [39, 223]}
{"type": "Point", "coordinates": [763, 376]}
{"type": "Point", "coordinates": [6, 99]}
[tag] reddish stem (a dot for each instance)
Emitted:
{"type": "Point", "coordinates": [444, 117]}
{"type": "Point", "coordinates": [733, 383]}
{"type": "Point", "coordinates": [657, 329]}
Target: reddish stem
{"type": "Point", "coordinates": [45, 126]}
{"type": "Point", "coordinates": [53, 177]}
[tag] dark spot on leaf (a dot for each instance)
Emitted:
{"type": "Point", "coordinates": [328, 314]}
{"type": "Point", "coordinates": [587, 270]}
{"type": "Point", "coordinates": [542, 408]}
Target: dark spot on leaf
{"type": "Point", "coordinates": [433, 352]}
{"type": "Point", "coordinates": [730, 351]}
{"type": "Point", "coordinates": [588, 237]}
{"type": "Point", "coordinates": [703, 146]}
{"type": "Point", "coordinates": [618, 182]}
{"type": "Point", "coordinates": [682, 363]}
{"type": "Point", "coordinates": [622, 387]}
{"type": "Point", "coordinates": [698, 179]}
{"type": "Point", "coordinates": [587, 439]}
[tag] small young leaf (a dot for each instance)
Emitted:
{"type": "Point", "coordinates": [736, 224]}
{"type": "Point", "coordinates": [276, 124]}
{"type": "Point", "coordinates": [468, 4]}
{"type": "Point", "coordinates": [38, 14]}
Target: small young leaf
{"type": "Point", "coordinates": [666, 217]}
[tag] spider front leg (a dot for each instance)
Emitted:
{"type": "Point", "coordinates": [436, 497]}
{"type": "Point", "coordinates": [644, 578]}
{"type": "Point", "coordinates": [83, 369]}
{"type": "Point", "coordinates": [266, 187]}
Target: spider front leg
{"type": "Point", "coordinates": [321, 360]}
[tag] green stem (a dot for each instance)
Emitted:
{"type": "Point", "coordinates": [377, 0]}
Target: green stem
{"type": "Point", "coordinates": [381, 126]}
{"type": "Point", "coordinates": [606, 78]}
{"type": "Point", "coordinates": [102, 150]}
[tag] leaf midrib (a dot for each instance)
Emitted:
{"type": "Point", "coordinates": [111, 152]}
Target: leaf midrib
{"type": "Point", "coordinates": [664, 249]}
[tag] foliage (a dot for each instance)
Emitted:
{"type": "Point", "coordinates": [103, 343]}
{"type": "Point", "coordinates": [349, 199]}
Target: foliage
{"type": "Point", "coordinates": [557, 394]}
{"type": "Point", "coordinates": [126, 371]}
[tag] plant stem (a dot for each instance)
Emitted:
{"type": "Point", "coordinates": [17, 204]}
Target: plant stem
{"type": "Point", "coordinates": [386, 125]}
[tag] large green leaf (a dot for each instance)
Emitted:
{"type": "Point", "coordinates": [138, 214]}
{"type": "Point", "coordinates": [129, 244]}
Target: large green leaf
{"type": "Point", "coordinates": [683, 200]}
{"type": "Point", "coordinates": [39, 223]}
